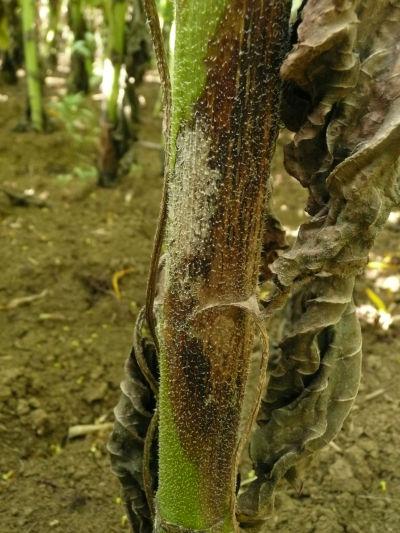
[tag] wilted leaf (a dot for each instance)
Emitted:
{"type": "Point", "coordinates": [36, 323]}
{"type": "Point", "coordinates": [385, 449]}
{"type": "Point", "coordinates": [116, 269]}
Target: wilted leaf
{"type": "Point", "coordinates": [134, 414]}
{"type": "Point", "coordinates": [346, 67]}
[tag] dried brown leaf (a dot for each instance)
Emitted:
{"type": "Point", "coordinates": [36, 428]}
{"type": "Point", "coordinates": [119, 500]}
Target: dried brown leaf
{"type": "Point", "coordinates": [134, 433]}
{"type": "Point", "coordinates": [346, 152]}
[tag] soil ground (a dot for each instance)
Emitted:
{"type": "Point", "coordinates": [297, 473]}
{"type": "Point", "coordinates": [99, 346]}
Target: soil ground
{"type": "Point", "coordinates": [62, 352]}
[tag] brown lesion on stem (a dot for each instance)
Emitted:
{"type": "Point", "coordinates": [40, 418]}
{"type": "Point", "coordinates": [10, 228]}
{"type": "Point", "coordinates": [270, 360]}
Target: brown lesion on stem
{"type": "Point", "coordinates": [223, 160]}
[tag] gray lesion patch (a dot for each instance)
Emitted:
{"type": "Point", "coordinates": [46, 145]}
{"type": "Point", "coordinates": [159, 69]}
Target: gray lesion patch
{"type": "Point", "coordinates": [193, 192]}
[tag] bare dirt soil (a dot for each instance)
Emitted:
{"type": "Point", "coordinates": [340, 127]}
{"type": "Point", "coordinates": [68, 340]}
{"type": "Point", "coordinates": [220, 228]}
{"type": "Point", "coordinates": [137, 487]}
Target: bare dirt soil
{"type": "Point", "coordinates": [64, 336]}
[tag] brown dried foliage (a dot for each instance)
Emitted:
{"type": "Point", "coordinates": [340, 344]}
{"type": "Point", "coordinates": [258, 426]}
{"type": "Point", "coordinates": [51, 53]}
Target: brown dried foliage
{"type": "Point", "coordinates": [346, 152]}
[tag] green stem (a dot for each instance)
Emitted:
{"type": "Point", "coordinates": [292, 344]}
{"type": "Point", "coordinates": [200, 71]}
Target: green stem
{"type": "Point", "coordinates": [113, 146]}
{"type": "Point", "coordinates": [80, 64]}
{"type": "Point", "coordinates": [225, 98]}
{"type": "Point", "coordinates": [29, 29]}
{"type": "Point", "coordinates": [53, 30]}
{"type": "Point", "coordinates": [116, 44]}
{"type": "Point", "coordinates": [8, 73]}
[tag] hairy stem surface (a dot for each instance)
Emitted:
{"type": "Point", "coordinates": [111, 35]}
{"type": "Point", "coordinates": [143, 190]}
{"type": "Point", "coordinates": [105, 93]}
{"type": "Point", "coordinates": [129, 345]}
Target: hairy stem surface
{"type": "Point", "coordinates": [28, 12]}
{"type": "Point", "coordinates": [225, 96]}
